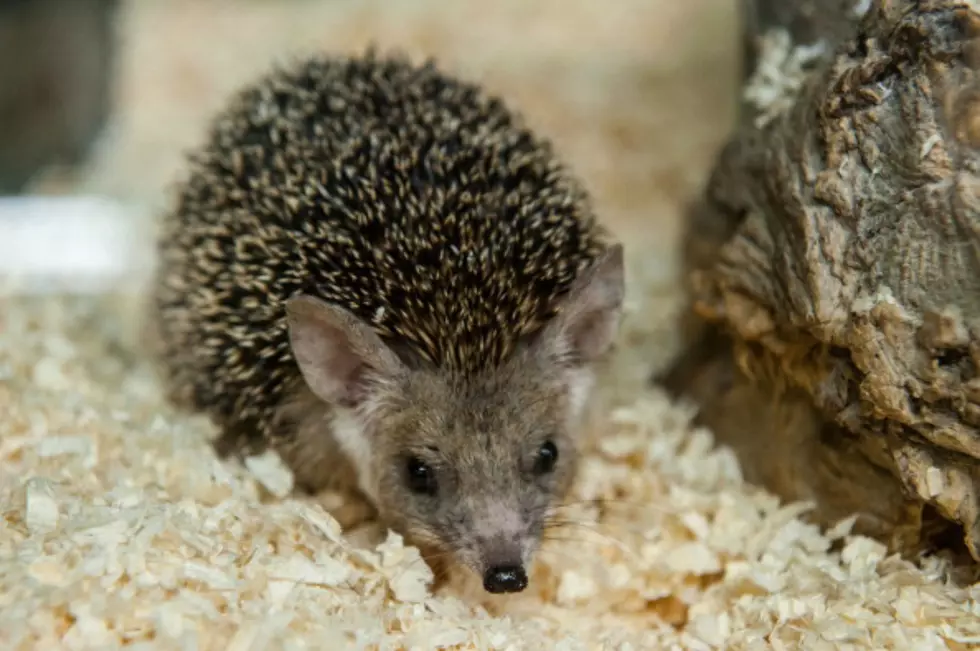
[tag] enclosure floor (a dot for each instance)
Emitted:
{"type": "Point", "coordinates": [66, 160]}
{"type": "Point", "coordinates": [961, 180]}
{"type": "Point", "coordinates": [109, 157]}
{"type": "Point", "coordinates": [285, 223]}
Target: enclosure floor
{"type": "Point", "coordinates": [120, 526]}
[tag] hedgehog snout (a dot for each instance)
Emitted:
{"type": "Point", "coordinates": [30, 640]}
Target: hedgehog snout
{"type": "Point", "coordinates": [501, 545]}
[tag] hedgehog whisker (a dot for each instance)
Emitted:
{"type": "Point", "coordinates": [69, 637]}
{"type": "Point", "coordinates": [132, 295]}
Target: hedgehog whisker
{"type": "Point", "coordinates": [561, 554]}
{"type": "Point", "coordinates": [430, 559]}
{"type": "Point", "coordinates": [565, 524]}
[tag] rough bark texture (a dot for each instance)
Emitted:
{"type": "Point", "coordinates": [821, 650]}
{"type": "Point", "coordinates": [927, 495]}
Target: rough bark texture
{"type": "Point", "coordinates": [834, 266]}
{"type": "Point", "coordinates": [55, 75]}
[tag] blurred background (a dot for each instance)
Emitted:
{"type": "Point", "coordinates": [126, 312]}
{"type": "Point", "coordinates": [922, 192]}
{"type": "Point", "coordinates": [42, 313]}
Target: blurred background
{"type": "Point", "coordinates": [101, 99]}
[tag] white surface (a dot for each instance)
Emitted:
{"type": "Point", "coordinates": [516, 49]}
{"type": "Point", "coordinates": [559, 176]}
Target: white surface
{"type": "Point", "coordinates": [74, 244]}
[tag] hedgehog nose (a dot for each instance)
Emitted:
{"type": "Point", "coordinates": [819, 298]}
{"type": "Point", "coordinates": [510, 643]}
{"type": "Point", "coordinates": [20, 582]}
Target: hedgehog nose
{"type": "Point", "coordinates": [505, 578]}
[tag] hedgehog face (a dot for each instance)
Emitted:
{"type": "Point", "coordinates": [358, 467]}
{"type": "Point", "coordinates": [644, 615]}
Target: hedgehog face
{"type": "Point", "coordinates": [464, 466]}
{"type": "Point", "coordinates": [470, 467]}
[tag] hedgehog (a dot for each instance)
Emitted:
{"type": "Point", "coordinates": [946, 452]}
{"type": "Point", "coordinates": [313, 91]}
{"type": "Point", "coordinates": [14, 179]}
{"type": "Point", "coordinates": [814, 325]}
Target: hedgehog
{"type": "Point", "coordinates": [376, 270]}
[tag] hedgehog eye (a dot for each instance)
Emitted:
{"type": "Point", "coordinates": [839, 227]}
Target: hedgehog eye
{"type": "Point", "coordinates": [546, 458]}
{"type": "Point", "coordinates": [420, 477]}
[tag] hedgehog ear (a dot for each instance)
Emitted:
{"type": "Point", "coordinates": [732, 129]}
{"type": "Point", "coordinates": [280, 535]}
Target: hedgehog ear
{"type": "Point", "coordinates": [590, 313]}
{"type": "Point", "coordinates": [337, 353]}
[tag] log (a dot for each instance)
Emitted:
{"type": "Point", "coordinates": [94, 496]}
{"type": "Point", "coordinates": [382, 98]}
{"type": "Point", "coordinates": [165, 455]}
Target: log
{"type": "Point", "coordinates": [833, 268]}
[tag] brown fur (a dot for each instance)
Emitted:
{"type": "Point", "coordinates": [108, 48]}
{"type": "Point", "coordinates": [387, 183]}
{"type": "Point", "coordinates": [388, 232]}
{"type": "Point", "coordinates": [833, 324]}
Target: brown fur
{"type": "Point", "coordinates": [480, 435]}
{"type": "Point", "coordinates": [306, 450]}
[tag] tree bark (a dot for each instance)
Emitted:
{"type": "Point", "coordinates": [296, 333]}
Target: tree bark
{"type": "Point", "coordinates": [833, 266]}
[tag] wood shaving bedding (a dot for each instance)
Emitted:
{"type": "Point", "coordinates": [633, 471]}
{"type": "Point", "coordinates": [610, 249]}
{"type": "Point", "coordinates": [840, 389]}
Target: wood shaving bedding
{"type": "Point", "coordinates": [120, 527]}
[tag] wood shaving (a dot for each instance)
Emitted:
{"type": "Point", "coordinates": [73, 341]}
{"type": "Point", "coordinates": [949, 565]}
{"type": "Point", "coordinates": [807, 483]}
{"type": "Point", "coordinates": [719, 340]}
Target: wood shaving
{"type": "Point", "coordinates": [271, 472]}
{"type": "Point", "coordinates": [779, 74]}
{"type": "Point", "coordinates": [121, 527]}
